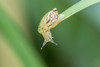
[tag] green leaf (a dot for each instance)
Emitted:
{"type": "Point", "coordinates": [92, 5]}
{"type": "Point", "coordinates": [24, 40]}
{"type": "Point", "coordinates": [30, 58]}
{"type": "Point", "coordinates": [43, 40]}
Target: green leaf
{"type": "Point", "coordinates": [19, 42]}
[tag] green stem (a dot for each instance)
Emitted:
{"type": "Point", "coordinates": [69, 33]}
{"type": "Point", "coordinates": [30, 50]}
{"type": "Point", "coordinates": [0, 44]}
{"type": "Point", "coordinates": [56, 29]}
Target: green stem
{"type": "Point", "coordinates": [77, 7]}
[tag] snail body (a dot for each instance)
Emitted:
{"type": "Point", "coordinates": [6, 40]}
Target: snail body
{"type": "Point", "coordinates": [48, 22]}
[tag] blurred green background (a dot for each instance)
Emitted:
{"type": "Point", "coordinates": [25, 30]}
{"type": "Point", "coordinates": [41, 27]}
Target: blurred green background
{"type": "Point", "coordinates": [78, 37]}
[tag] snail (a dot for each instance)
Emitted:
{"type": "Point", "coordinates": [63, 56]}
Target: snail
{"type": "Point", "coordinates": [49, 21]}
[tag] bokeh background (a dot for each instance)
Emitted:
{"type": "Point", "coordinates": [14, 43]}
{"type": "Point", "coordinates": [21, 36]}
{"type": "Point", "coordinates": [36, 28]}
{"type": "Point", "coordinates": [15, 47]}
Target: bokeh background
{"type": "Point", "coordinates": [78, 37]}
